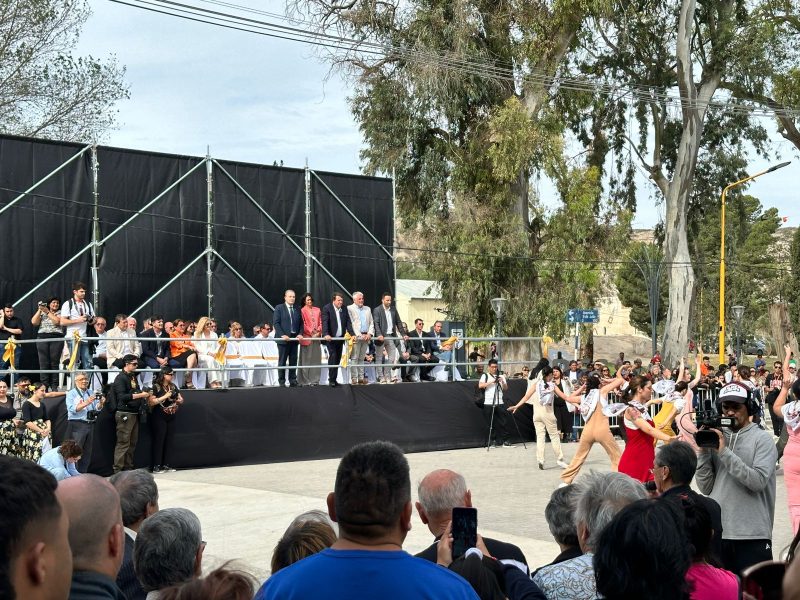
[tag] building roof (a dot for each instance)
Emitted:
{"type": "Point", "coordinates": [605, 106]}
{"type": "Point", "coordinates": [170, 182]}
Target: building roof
{"type": "Point", "coordinates": [417, 288]}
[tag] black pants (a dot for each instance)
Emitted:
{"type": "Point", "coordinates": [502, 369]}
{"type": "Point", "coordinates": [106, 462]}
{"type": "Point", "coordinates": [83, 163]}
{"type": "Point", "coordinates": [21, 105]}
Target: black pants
{"type": "Point", "coordinates": [49, 350]}
{"type": "Point", "coordinates": [162, 432]}
{"type": "Point", "coordinates": [334, 358]}
{"type": "Point", "coordinates": [287, 356]}
{"type": "Point", "coordinates": [777, 419]}
{"type": "Point", "coordinates": [101, 363]}
{"type": "Point", "coordinates": [500, 430]}
{"type": "Point", "coordinates": [82, 433]}
{"type": "Point", "coordinates": [737, 555]}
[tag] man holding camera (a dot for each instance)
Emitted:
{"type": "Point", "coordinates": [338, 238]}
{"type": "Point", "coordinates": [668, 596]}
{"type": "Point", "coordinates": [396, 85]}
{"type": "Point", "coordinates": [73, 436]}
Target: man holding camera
{"type": "Point", "coordinates": [76, 314]}
{"type": "Point", "coordinates": [128, 401]}
{"type": "Point", "coordinates": [83, 405]}
{"type": "Point", "coordinates": [740, 475]}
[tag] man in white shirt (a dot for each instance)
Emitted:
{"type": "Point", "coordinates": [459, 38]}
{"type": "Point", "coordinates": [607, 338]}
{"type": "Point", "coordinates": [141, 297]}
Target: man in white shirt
{"type": "Point", "coordinates": [361, 318]}
{"type": "Point", "coordinates": [99, 356]}
{"type": "Point", "coordinates": [493, 385]}
{"type": "Point", "coordinates": [76, 314]}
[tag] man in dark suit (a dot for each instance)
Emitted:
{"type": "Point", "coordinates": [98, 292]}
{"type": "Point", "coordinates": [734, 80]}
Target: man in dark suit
{"type": "Point", "coordinates": [387, 323]}
{"type": "Point", "coordinates": [437, 492]}
{"type": "Point", "coordinates": [335, 321]}
{"type": "Point", "coordinates": [155, 349]}
{"type": "Point", "coordinates": [138, 495]}
{"type": "Point", "coordinates": [419, 348]}
{"type": "Point", "coordinates": [288, 324]}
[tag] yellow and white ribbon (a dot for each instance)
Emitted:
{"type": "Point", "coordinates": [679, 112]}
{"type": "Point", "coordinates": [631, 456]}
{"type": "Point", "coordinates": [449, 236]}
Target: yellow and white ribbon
{"type": "Point", "coordinates": [350, 340]}
{"type": "Point", "coordinates": [10, 350]}
{"type": "Point", "coordinates": [76, 344]}
{"type": "Point", "coordinates": [220, 355]}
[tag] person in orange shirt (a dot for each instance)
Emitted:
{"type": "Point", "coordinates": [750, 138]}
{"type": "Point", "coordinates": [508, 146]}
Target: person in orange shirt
{"type": "Point", "coordinates": [183, 354]}
{"type": "Point", "coordinates": [705, 367]}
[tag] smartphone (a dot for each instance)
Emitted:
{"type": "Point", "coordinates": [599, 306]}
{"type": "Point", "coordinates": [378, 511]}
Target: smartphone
{"type": "Point", "coordinates": [464, 529]}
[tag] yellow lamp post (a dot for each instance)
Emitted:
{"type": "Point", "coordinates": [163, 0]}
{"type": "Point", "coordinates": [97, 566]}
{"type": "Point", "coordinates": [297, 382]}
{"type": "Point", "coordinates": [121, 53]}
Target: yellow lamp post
{"type": "Point", "coordinates": [722, 256]}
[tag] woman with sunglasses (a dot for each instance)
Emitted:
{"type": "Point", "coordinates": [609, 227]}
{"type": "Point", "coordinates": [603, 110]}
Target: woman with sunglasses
{"type": "Point", "coordinates": [163, 403]}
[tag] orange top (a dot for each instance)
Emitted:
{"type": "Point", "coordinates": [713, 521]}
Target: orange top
{"type": "Point", "coordinates": [178, 348]}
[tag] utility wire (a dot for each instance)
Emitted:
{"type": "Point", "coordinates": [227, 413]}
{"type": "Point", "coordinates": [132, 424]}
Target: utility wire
{"type": "Point", "coordinates": [452, 61]}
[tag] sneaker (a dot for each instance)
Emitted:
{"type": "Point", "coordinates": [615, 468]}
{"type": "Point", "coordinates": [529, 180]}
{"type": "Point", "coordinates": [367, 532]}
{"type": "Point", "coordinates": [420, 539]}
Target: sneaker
{"type": "Point", "coordinates": [560, 462]}
{"type": "Point", "coordinates": [167, 469]}
{"type": "Point", "coordinates": [156, 470]}
{"type": "Point", "coordinates": [541, 466]}
{"type": "Point", "coordinates": [508, 444]}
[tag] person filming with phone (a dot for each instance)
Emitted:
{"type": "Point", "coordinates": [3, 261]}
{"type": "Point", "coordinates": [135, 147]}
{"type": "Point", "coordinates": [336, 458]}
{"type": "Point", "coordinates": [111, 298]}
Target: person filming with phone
{"type": "Point", "coordinates": [739, 473]}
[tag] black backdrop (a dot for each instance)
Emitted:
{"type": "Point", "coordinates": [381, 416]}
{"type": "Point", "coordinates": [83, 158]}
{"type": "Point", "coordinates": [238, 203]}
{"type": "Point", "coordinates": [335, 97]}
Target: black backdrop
{"type": "Point", "coordinates": [54, 222]}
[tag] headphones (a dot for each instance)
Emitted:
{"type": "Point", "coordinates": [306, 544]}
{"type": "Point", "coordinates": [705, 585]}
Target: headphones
{"type": "Point", "coordinates": [750, 402]}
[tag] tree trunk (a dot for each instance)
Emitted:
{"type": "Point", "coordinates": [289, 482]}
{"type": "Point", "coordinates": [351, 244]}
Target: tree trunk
{"type": "Point", "coordinates": [781, 329]}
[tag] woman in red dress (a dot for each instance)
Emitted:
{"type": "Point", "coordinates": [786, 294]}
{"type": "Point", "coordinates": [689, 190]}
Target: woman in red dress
{"type": "Point", "coordinates": [639, 454]}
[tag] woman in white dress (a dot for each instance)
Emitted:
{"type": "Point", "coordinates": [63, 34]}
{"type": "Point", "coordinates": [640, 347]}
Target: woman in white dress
{"type": "Point", "coordinates": [207, 345]}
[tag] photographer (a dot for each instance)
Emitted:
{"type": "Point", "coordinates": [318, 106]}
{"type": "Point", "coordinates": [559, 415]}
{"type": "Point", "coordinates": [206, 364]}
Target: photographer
{"type": "Point", "coordinates": [78, 315]}
{"type": "Point", "coordinates": [740, 475]}
{"type": "Point", "coordinates": [83, 405]}
{"type": "Point", "coordinates": [128, 400]}
{"type": "Point", "coordinates": [493, 402]}
{"type": "Point", "coordinates": [163, 404]}
{"type": "Point", "coordinates": [48, 321]}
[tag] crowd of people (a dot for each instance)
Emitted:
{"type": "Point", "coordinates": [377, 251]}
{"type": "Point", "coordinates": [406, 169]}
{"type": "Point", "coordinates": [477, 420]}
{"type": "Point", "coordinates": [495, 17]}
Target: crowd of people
{"type": "Point", "coordinates": [87, 537]}
{"type": "Point", "coordinates": [303, 345]}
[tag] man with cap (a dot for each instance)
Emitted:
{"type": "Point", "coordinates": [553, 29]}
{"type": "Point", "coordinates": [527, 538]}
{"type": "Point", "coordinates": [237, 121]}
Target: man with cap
{"type": "Point", "coordinates": [128, 401]}
{"type": "Point", "coordinates": [740, 476]}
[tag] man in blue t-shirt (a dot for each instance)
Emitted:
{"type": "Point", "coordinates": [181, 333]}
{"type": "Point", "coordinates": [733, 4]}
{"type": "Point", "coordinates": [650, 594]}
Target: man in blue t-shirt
{"type": "Point", "coordinates": [372, 505]}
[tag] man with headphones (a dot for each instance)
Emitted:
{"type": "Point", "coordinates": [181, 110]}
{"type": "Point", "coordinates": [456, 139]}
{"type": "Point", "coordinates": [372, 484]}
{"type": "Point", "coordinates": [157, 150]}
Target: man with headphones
{"type": "Point", "coordinates": [740, 476]}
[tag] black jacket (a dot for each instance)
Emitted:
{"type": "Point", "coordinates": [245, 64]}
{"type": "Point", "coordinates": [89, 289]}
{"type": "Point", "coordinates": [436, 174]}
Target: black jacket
{"type": "Point", "coordinates": [418, 343]}
{"type": "Point", "coordinates": [500, 550]}
{"type": "Point", "coordinates": [124, 388]}
{"type": "Point", "coordinates": [88, 585]}
{"type": "Point", "coordinates": [126, 578]}
{"type": "Point", "coordinates": [151, 347]}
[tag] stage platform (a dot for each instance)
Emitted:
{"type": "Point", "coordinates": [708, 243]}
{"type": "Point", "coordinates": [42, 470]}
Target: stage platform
{"type": "Point", "coordinates": [243, 426]}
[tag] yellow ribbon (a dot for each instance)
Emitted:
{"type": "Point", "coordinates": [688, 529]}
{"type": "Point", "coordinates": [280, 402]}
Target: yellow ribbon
{"type": "Point", "coordinates": [8, 355]}
{"type": "Point", "coordinates": [351, 341]}
{"type": "Point", "coordinates": [76, 343]}
{"type": "Point", "coordinates": [220, 355]}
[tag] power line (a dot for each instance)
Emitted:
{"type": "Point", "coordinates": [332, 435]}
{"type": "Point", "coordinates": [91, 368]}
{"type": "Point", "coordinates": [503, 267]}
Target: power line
{"type": "Point", "coordinates": [453, 61]}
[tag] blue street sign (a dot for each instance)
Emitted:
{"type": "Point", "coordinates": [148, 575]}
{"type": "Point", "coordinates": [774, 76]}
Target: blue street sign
{"type": "Point", "coordinates": [583, 315]}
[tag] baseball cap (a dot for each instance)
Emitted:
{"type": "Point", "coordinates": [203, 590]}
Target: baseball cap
{"type": "Point", "coordinates": [733, 392]}
{"type": "Point", "coordinates": [792, 364]}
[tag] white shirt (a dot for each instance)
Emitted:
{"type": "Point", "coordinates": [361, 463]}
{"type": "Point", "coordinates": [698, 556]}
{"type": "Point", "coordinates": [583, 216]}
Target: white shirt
{"type": "Point", "coordinates": [74, 310]}
{"type": "Point", "coordinates": [489, 392]}
{"type": "Point", "coordinates": [546, 393]}
{"type": "Point", "coordinates": [100, 349]}
{"type": "Point", "coordinates": [389, 323]}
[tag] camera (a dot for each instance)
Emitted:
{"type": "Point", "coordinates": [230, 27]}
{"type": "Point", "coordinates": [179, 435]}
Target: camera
{"type": "Point", "coordinates": [42, 304]}
{"type": "Point", "coordinates": [91, 416]}
{"type": "Point", "coordinates": [706, 418]}
{"type": "Point", "coordinates": [90, 319]}
{"type": "Point", "coordinates": [174, 394]}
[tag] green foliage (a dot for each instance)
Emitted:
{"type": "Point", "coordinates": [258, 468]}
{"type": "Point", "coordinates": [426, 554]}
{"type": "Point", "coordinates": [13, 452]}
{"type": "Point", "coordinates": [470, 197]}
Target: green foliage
{"type": "Point", "coordinates": [793, 284]}
{"type": "Point", "coordinates": [643, 265]}
{"type": "Point", "coordinates": [45, 91]}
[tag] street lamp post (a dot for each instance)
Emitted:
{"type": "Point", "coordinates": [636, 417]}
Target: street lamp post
{"type": "Point", "coordinates": [738, 312]}
{"type": "Point", "coordinates": [722, 255]}
{"type": "Point", "coordinates": [499, 308]}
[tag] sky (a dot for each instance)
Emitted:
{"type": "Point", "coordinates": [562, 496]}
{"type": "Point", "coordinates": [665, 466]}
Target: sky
{"type": "Point", "coordinates": [258, 99]}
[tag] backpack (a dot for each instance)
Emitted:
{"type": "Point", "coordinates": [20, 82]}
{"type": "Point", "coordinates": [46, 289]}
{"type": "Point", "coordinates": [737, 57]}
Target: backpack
{"type": "Point", "coordinates": [111, 400]}
{"type": "Point", "coordinates": [479, 394]}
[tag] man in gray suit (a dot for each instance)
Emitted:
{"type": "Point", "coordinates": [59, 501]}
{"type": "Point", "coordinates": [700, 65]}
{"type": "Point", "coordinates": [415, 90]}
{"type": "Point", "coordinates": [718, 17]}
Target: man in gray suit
{"type": "Point", "coordinates": [387, 323]}
{"type": "Point", "coordinates": [361, 318]}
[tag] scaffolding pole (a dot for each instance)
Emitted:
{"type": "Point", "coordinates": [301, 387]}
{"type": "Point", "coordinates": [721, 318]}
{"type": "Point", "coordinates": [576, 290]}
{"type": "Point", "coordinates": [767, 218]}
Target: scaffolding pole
{"type": "Point", "coordinates": [308, 228]}
{"type": "Point", "coordinates": [243, 280]}
{"type": "Point", "coordinates": [110, 235]}
{"type": "Point", "coordinates": [281, 230]}
{"type": "Point", "coordinates": [394, 234]}
{"type": "Point", "coordinates": [43, 179]}
{"type": "Point", "coordinates": [209, 232]}
{"type": "Point", "coordinates": [95, 231]}
{"type": "Point", "coordinates": [163, 288]}
{"type": "Point", "coordinates": [353, 216]}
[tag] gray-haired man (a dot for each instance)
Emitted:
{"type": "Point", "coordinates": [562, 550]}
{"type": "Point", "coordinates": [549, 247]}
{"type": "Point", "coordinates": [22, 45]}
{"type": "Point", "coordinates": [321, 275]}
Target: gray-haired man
{"type": "Point", "coordinates": [599, 497]}
{"type": "Point", "coordinates": [169, 550]}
